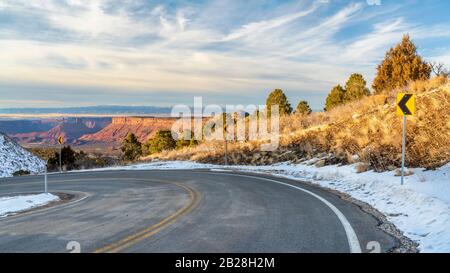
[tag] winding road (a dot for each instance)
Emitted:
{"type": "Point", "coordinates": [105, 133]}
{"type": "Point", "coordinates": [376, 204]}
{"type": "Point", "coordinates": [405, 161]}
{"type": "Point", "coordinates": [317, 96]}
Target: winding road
{"type": "Point", "coordinates": [187, 211]}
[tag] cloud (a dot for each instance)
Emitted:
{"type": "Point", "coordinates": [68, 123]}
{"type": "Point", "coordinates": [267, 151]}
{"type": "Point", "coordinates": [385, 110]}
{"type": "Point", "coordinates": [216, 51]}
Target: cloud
{"type": "Point", "coordinates": [371, 45]}
{"type": "Point", "coordinates": [267, 25]}
{"type": "Point", "coordinates": [25, 103]}
{"type": "Point", "coordinates": [211, 48]}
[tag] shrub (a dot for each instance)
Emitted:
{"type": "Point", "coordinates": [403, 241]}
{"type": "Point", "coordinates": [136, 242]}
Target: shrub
{"type": "Point", "coordinates": [362, 167]}
{"type": "Point", "coordinates": [44, 152]}
{"type": "Point", "coordinates": [439, 69]}
{"type": "Point", "coordinates": [96, 160]}
{"type": "Point", "coordinates": [21, 172]}
{"type": "Point", "coordinates": [186, 140]}
{"type": "Point", "coordinates": [162, 141]}
{"type": "Point", "coordinates": [420, 86]}
{"type": "Point", "coordinates": [67, 159]}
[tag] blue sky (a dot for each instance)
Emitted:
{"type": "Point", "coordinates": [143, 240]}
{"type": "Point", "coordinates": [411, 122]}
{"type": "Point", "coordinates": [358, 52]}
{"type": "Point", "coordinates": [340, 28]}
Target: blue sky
{"type": "Point", "coordinates": [141, 52]}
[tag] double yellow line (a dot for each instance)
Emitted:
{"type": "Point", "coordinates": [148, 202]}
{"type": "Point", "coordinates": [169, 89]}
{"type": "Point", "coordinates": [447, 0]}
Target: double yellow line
{"type": "Point", "coordinates": [194, 199]}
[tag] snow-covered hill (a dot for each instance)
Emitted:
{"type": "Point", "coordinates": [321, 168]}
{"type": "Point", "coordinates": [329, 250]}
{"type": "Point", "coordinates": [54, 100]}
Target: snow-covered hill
{"type": "Point", "coordinates": [14, 158]}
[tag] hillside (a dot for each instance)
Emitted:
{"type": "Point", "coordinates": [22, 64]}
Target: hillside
{"type": "Point", "coordinates": [366, 131]}
{"type": "Point", "coordinates": [143, 127]}
{"type": "Point", "coordinates": [14, 158]}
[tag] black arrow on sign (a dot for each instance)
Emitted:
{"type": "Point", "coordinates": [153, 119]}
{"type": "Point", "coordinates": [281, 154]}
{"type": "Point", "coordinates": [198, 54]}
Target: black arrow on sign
{"type": "Point", "coordinates": [402, 104]}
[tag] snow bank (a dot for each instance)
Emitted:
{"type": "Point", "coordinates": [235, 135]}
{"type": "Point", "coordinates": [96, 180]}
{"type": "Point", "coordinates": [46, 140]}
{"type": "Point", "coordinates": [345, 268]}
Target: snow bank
{"type": "Point", "coordinates": [14, 158]}
{"type": "Point", "coordinates": [15, 204]}
{"type": "Point", "coordinates": [420, 208]}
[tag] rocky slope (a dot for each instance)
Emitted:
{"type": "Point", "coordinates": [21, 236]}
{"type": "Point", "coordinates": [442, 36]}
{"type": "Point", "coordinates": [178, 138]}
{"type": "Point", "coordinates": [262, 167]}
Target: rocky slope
{"type": "Point", "coordinates": [15, 158]}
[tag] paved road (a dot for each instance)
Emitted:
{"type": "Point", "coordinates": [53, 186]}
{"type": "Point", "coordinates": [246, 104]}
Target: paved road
{"type": "Point", "coordinates": [187, 211]}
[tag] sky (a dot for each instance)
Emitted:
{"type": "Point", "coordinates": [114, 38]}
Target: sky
{"type": "Point", "coordinates": [56, 53]}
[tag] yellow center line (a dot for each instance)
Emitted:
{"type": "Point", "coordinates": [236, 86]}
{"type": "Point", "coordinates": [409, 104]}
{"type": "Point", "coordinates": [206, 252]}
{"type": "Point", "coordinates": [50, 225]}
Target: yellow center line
{"type": "Point", "coordinates": [194, 199]}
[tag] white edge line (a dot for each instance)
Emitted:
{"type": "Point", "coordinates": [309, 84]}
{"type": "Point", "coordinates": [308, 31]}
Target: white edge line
{"type": "Point", "coordinates": [352, 238]}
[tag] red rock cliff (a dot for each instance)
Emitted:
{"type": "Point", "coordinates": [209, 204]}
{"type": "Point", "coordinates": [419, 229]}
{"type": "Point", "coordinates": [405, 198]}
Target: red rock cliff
{"type": "Point", "coordinates": [143, 127]}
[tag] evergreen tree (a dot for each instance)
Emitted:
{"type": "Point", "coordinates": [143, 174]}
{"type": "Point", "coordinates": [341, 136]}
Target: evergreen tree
{"type": "Point", "coordinates": [131, 147]}
{"type": "Point", "coordinates": [401, 65]}
{"type": "Point", "coordinates": [355, 88]}
{"type": "Point", "coordinates": [186, 140]}
{"type": "Point", "coordinates": [277, 97]}
{"type": "Point", "coordinates": [335, 97]}
{"type": "Point", "coordinates": [303, 108]}
{"type": "Point", "coordinates": [67, 159]}
{"type": "Point", "coordinates": [163, 140]}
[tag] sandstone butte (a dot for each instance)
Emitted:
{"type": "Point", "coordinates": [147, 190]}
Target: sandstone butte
{"type": "Point", "coordinates": [143, 127]}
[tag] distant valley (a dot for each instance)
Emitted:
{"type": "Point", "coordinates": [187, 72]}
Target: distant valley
{"type": "Point", "coordinates": [92, 134]}
{"type": "Point", "coordinates": [90, 128]}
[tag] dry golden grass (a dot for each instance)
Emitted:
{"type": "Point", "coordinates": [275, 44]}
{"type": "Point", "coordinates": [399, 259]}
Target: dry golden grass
{"type": "Point", "coordinates": [368, 130]}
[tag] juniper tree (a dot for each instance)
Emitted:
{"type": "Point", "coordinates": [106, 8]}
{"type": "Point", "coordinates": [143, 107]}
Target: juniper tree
{"type": "Point", "coordinates": [303, 108]}
{"type": "Point", "coordinates": [131, 147]}
{"type": "Point", "coordinates": [355, 88]}
{"type": "Point", "coordinates": [401, 65]}
{"type": "Point", "coordinates": [163, 140]}
{"type": "Point", "coordinates": [335, 97]}
{"type": "Point", "coordinates": [277, 97]}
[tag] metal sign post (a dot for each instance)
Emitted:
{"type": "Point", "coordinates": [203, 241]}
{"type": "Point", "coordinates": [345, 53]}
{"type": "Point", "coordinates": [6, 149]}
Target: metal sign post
{"type": "Point", "coordinates": [226, 152]}
{"type": "Point", "coordinates": [60, 160]}
{"type": "Point", "coordinates": [225, 121]}
{"type": "Point", "coordinates": [60, 142]}
{"type": "Point", "coordinates": [405, 107]}
{"type": "Point", "coordinates": [45, 179]}
{"type": "Point", "coordinates": [403, 148]}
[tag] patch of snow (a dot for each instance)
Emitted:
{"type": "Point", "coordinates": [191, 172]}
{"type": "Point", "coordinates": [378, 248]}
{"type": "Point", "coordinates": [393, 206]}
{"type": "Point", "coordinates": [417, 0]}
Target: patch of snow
{"type": "Point", "coordinates": [14, 204]}
{"type": "Point", "coordinates": [159, 165]}
{"type": "Point", "coordinates": [15, 158]}
{"type": "Point", "coordinates": [420, 208]}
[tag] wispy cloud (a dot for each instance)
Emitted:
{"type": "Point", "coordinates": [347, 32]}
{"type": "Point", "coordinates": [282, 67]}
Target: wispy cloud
{"type": "Point", "coordinates": [257, 28]}
{"type": "Point", "coordinates": [212, 48]}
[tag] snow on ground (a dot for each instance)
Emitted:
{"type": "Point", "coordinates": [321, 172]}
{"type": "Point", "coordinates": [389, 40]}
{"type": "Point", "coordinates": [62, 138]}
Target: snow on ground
{"type": "Point", "coordinates": [420, 208]}
{"type": "Point", "coordinates": [14, 204]}
{"type": "Point", "coordinates": [15, 158]}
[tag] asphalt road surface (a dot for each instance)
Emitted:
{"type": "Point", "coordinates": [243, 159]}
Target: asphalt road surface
{"type": "Point", "coordinates": [187, 211]}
